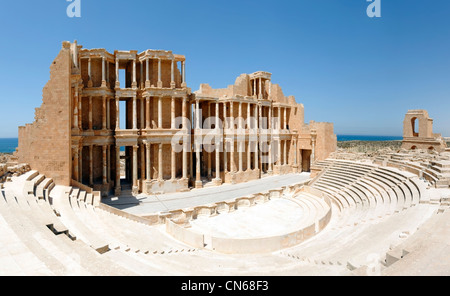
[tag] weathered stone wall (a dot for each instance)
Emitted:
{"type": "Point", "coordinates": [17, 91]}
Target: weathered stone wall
{"type": "Point", "coordinates": [326, 139]}
{"type": "Point", "coordinates": [45, 144]}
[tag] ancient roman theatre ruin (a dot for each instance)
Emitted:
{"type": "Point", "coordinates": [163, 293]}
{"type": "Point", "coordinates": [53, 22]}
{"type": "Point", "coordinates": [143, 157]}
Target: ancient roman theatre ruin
{"type": "Point", "coordinates": [126, 171]}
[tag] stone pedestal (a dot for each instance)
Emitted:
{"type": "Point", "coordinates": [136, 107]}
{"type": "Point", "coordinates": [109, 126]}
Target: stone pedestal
{"type": "Point", "coordinates": [217, 182]}
{"type": "Point", "coordinates": [117, 191]}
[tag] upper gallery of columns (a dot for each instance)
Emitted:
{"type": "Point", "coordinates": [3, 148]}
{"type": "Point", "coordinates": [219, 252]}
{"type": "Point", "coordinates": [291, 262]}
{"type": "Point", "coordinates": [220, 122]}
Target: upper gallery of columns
{"type": "Point", "coordinates": [128, 71]}
{"type": "Point", "coordinates": [256, 87]}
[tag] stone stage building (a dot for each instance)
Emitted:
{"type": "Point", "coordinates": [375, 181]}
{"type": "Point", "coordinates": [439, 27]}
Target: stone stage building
{"type": "Point", "coordinates": [97, 102]}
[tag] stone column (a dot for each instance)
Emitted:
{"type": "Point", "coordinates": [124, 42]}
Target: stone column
{"type": "Point", "coordinates": [89, 73]}
{"type": "Point", "coordinates": [134, 114]}
{"type": "Point", "coordinates": [198, 178]}
{"type": "Point", "coordinates": [184, 113]}
{"type": "Point", "coordinates": [134, 84]}
{"type": "Point", "coordinates": [254, 87]}
{"type": "Point", "coordinates": [117, 74]}
{"type": "Point", "coordinates": [147, 106]}
{"type": "Point", "coordinates": [225, 122]}
{"type": "Point", "coordinates": [217, 145]}
{"type": "Point", "coordinates": [285, 152]}
{"type": "Point", "coordinates": [225, 150]}
{"type": "Point", "coordinates": [91, 166]}
{"type": "Point", "coordinates": [103, 72]}
{"type": "Point", "coordinates": [104, 114]}
{"type": "Point", "coordinates": [173, 164]}
{"type": "Point", "coordinates": [185, 158]}
{"type": "Point", "coordinates": [75, 108]}
{"type": "Point", "coordinates": [107, 73]}
{"type": "Point", "coordinates": [142, 115]}
{"type": "Point", "coordinates": [185, 143]}
{"type": "Point", "coordinates": [147, 76]}
{"type": "Point", "coordinates": [260, 89]}
{"type": "Point", "coordinates": [160, 121]}
{"type": "Point", "coordinates": [197, 114]}
{"type": "Point", "coordinates": [256, 142]}
{"type": "Point", "coordinates": [172, 74]}
{"type": "Point", "coordinates": [105, 165]}
{"type": "Point", "coordinates": [270, 90]}
{"type": "Point", "coordinates": [279, 119]}
{"type": "Point", "coordinates": [249, 144]}
{"type": "Point", "coordinates": [240, 138]}
{"type": "Point", "coordinates": [209, 164]}
{"type": "Point", "coordinates": [135, 170]}
{"type": "Point", "coordinates": [141, 78]}
{"type": "Point", "coordinates": [148, 161]}
{"type": "Point", "coordinates": [225, 156]}
{"type": "Point", "coordinates": [117, 185]}
{"type": "Point", "coordinates": [80, 114]}
{"type": "Point", "coordinates": [270, 170]}
{"type": "Point", "coordinates": [183, 67]}
{"type": "Point", "coordinates": [117, 113]}
{"type": "Point", "coordinates": [279, 156]}
{"type": "Point", "coordinates": [76, 173]}
{"type": "Point", "coordinates": [108, 113]}
{"type": "Point", "coordinates": [160, 84]}
{"type": "Point", "coordinates": [160, 163]}
{"type": "Point", "coordinates": [270, 119]}
{"type": "Point", "coordinates": [285, 118]}
{"type": "Point", "coordinates": [142, 162]}
{"type": "Point", "coordinates": [233, 134]}
{"type": "Point", "coordinates": [90, 114]}
{"type": "Point", "coordinates": [172, 114]}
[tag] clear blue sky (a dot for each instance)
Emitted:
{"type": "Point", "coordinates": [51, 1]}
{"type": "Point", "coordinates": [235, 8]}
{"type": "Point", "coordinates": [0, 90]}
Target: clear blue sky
{"type": "Point", "coordinates": [362, 74]}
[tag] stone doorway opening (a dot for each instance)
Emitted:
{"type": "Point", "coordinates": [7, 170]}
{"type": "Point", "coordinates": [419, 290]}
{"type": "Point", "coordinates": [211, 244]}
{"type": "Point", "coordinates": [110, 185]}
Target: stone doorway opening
{"type": "Point", "coordinates": [306, 160]}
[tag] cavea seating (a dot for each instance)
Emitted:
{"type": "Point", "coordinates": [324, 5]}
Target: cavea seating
{"type": "Point", "coordinates": [357, 218]}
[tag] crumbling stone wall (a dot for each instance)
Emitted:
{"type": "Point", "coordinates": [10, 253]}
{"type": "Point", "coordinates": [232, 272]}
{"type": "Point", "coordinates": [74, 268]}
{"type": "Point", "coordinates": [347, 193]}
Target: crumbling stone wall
{"type": "Point", "coordinates": [45, 144]}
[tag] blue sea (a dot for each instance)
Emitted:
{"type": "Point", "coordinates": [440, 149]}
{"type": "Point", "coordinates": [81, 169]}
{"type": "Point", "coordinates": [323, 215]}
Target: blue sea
{"type": "Point", "coordinates": [8, 145]}
{"type": "Point", "coordinates": [343, 138]}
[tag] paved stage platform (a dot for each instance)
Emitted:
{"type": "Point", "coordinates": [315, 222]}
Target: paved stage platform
{"type": "Point", "coordinates": [150, 204]}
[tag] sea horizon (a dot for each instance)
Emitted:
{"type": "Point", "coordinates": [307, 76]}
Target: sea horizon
{"type": "Point", "coordinates": [8, 145]}
{"type": "Point", "coordinates": [374, 138]}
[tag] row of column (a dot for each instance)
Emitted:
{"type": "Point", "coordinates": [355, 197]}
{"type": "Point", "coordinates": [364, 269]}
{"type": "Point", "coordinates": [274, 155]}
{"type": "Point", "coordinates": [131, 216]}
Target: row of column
{"type": "Point", "coordinates": [146, 124]}
{"type": "Point", "coordinates": [106, 167]}
{"type": "Point", "coordinates": [257, 111]}
{"type": "Point", "coordinates": [146, 158]}
{"type": "Point", "coordinates": [259, 81]}
{"type": "Point", "coordinates": [147, 73]}
{"type": "Point", "coordinates": [77, 112]}
{"type": "Point", "coordinates": [105, 72]}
